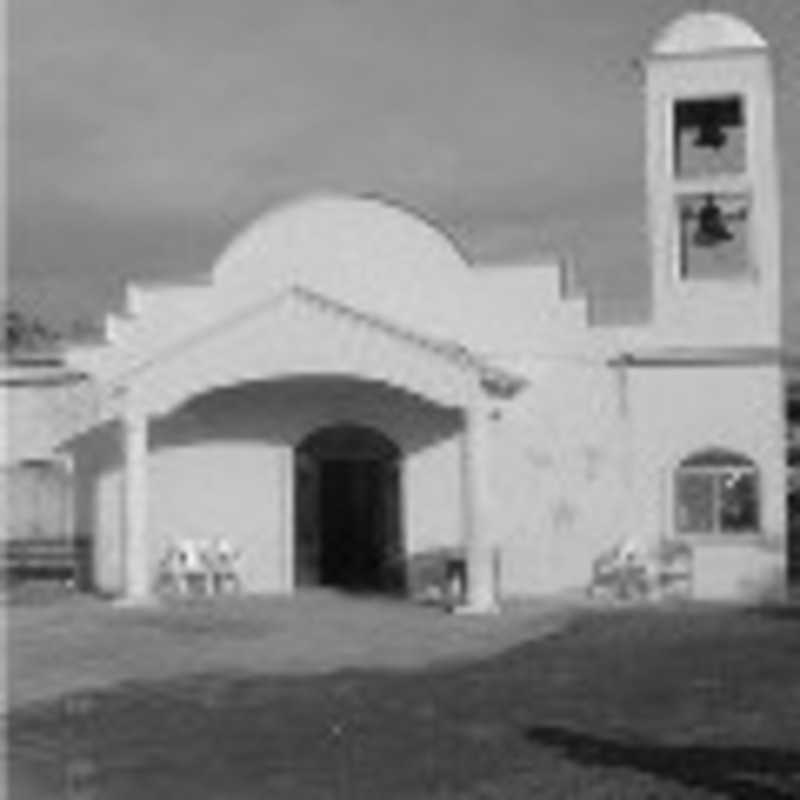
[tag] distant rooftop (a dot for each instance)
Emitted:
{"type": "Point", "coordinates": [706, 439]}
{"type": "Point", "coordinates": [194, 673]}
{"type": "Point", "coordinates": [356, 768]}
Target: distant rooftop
{"type": "Point", "coordinates": [707, 31]}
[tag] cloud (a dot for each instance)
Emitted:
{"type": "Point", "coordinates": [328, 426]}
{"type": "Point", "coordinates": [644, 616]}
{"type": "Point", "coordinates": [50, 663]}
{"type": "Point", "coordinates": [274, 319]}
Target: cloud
{"type": "Point", "coordinates": [143, 134]}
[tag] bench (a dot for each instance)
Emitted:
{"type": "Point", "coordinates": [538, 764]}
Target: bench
{"type": "Point", "coordinates": [630, 571]}
{"type": "Point", "coordinates": [52, 557]}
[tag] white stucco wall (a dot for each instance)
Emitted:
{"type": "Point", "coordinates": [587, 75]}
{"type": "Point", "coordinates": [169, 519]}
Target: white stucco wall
{"type": "Point", "coordinates": [675, 412]}
{"type": "Point", "coordinates": [558, 478]}
{"type": "Point", "coordinates": [229, 490]}
{"type": "Point", "coordinates": [586, 459]}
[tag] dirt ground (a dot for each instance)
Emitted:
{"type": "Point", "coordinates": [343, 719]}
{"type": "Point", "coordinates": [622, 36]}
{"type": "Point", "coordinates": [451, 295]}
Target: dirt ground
{"type": "Point", "coordinates": [60, 642]}
{"type": "Point", "coordinates": [332, 697]}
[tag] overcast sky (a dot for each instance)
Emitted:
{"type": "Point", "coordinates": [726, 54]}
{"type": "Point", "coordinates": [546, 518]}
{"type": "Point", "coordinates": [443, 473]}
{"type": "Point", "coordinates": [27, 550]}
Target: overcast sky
{"type": "Point", "coordinates": [143, 134]}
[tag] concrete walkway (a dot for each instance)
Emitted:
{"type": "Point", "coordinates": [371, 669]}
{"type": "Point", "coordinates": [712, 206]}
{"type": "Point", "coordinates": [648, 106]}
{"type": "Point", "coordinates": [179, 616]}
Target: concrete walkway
{"type": "Point", "coordinates": [81, 642]}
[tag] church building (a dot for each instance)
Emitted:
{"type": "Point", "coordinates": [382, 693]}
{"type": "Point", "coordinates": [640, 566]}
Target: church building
{"type": "Point", "coordinates": [344, 394]}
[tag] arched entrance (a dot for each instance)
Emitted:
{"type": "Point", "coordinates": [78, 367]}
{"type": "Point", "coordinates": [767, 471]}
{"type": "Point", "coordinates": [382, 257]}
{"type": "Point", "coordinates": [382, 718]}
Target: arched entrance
{"type": "Point", "coordinates": [347, 510]}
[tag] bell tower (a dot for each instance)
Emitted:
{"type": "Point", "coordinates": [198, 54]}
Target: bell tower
{"type": "Point", "coordinates": [712, 185]}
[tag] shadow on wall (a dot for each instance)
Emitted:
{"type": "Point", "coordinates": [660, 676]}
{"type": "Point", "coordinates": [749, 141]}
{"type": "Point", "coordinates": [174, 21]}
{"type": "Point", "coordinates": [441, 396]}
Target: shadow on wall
{"type": "Point", "coordinates": [288, 410]}
{"type": "Point", "coordinates": [739, 773]}
{"type": "Point", "coordinates": [268, 412]}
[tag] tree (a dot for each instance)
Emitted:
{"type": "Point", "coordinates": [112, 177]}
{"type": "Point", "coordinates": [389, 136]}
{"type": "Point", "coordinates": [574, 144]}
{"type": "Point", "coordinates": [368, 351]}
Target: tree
{"type": "Point", "coordinates": [26, 333]}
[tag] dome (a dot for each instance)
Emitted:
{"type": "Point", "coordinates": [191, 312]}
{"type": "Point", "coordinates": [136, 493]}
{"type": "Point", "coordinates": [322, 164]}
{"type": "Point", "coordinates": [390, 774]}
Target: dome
{"type": "Point", "coordinates": [707, 31]}
{"type": "Point", "coordinates": [338, 240]}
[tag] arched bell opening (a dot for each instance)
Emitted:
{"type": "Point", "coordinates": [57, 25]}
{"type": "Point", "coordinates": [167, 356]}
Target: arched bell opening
{"type": "Point", "coordinates": [348, 530]}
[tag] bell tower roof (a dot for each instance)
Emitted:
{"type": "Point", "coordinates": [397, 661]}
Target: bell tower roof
{"type": "Point", "coordinates": [700, 32]}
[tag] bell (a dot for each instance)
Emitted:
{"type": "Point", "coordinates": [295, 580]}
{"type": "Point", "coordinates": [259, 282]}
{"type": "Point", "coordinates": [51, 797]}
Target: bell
{"type": "Point", "coordinates": [710, 134]}
{"type": "Point", "coordinates": [711, 228]}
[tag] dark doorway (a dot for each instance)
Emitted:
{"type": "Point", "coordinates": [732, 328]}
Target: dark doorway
{"type": "Point", "coordinates": [347, 511]}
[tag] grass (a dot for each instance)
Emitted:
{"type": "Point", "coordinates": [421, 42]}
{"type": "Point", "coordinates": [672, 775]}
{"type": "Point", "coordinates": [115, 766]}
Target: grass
{"type": "Point", "coordinates": [693, 703]}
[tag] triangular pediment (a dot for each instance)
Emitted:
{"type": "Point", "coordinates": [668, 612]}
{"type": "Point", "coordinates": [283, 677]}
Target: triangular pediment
{"type": "Point", "coordinates": [295, 332]}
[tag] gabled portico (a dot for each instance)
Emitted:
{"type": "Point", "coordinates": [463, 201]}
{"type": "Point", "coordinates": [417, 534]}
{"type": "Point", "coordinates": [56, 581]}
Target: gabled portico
{"type": "Point", "coordinates": [298, 335]}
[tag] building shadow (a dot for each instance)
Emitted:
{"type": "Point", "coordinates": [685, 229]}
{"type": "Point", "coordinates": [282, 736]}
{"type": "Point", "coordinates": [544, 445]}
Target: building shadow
{"type": "Point", "coordinates": [739, 773]}
{"type": "Point", "coordinates": [781, 613]}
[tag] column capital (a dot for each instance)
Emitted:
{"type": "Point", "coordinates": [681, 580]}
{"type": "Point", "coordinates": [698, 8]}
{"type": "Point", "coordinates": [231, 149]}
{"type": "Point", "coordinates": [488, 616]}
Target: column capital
{"type": "Point", "coordinates": [133, 414]}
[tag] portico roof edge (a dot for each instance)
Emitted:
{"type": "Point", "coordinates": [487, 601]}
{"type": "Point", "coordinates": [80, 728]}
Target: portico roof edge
{"type": "Point", "coordinates": [708, 357]}
{"type": "Point", "coordinates": [502, 379]}
{"type": "Point", "coordinates": [450, 350]}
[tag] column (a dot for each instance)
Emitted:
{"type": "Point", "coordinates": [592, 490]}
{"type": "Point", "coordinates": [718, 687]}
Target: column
{"type": "Point", "coordinates": [479, 544]}
{"type": "Point", "coordinates": [137, 582]}
{"type": "Point", "coordinates": [287, 523]}
{"type": "Point", "coordinates": [628, 517]}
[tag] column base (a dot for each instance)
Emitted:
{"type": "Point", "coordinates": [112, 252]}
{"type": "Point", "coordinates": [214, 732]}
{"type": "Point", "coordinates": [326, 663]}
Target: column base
{"type": "Point", "coordinates": [476, 609]}
{"type": "Point", "coordinates": [133, 601]}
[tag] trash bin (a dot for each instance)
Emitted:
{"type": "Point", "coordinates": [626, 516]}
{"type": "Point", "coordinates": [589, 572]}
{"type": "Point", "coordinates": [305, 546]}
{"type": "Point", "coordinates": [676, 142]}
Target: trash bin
{"type": "Point", "coordinates": [455, 573]}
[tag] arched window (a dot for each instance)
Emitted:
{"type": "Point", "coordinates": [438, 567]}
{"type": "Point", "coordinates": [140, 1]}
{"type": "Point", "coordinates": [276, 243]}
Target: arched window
{"type": "Point", "coordinates": [717, 492]}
